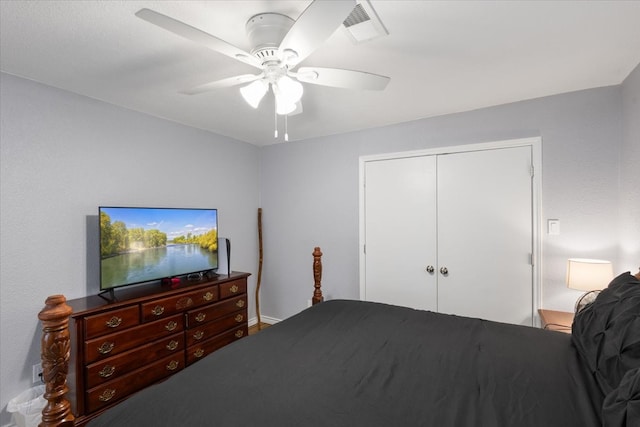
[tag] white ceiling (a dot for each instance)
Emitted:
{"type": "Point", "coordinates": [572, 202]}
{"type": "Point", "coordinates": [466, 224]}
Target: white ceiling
{"type": "Point", "coordinates": [442, 57]}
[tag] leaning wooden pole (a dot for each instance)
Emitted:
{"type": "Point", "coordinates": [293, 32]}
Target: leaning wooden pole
{"type": "Point", "coordinates": [55, 351]}
{"type": "Point", "coordinates": [259, 268]}
{"type": "Point", "coordinates": [317, 276]}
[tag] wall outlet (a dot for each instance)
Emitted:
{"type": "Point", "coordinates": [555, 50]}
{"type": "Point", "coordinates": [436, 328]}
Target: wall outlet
{"type": "Point", "coordinates": [308, 303]}
{"type": "Point", "coordinates": [37, 373]}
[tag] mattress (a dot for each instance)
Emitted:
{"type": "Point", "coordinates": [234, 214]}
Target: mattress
{"type": "Point", "coordinates": [354, 363]}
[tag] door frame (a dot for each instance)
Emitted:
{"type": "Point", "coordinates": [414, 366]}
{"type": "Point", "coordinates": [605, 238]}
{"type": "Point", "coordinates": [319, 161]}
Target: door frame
{"type": "Point", "coordinates": [536, 194]}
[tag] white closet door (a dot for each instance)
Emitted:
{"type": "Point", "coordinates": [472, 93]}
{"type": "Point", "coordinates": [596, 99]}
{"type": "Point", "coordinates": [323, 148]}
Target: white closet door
{"type": "Point", "coordinates": [485, 234]}
{"type": "Point", "coordinates": [400, 236]}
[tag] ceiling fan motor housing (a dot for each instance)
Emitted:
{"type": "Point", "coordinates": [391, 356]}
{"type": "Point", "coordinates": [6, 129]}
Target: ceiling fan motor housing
{"type": "Point", "coordinates": [265, 32]}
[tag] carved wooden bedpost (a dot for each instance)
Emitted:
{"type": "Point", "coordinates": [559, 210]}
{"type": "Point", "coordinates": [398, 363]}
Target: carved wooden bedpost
{"type": "Point", "coordinates": [55, 351]}
{"type": "Point", "coordinates": [317, 276]}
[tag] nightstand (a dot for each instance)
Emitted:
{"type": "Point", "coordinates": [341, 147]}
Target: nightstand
{"type": "Point", "coordinates": [553, 320]}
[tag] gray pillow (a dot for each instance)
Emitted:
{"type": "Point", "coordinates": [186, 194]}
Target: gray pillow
{"type": "Point", "coordinates": [607, 332]}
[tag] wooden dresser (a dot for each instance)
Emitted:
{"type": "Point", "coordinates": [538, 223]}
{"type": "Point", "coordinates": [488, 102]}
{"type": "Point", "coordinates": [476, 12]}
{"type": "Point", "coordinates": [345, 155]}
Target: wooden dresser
{"type": "Point", "coordinates": [148, 334]}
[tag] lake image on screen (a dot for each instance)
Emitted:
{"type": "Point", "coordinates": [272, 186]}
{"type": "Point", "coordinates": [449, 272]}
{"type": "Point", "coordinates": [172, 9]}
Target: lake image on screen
{"type": "Point", "coordinates": [145, 244]}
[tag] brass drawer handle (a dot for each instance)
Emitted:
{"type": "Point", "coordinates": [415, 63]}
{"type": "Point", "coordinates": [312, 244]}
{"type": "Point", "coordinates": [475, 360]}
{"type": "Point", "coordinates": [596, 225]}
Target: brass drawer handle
{"type": "Point", "coordinates": [157, 310]}
{"type": "Point", "coordinates": [239, 318]}
{"type": "Point", "coordinates": [107, 371]}
{"type": "Point", "coordinates": [234, 289]}
{"type": "Point", "coordinates": [183, 303]}
{"type": "Point", "coordinates": [240, 303]}
{"type": "Point", "coordinates": [171, 326]}
{"type": "Point", "coordinates": [172, 366]}
{"type": "Point", "coordinates": [200, 317]}
{"type": "Point", "coordinates": [106, 347]}
{"type": "Point", "coordinates": [198, 353]}
{"type": "Point", "coordinates": [208, 296]}
{"type": "Point", "coordinates": [198, 335]}
{"type": "Point", "coordinates": [114, 322]}
{"type": "Point", "coordinates": [107, 395]}
{"type": "Point", "coordinates": [173, 344]}
{"type": "Point", "coordinates": [239, 333]}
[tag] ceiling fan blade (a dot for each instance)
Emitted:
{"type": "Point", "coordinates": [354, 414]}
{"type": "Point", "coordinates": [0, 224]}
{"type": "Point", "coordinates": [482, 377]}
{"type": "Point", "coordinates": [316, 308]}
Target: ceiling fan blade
{"type": "Point", "coordinates": [336, 77]}
{"type": "Point", "coordinates": [228, 82]}
{"type": "Point", "coordinates": [197, 36]}
{"type": "Point", "coordinates": [318, 21]}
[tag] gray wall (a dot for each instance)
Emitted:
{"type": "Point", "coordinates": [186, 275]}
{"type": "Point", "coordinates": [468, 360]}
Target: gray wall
{"type": "Point", "coordinates": [62, 156]}
{"type": "Point", "coordinates": [309, 191]}
{"type": "Point", "coordinates": [630, 173]}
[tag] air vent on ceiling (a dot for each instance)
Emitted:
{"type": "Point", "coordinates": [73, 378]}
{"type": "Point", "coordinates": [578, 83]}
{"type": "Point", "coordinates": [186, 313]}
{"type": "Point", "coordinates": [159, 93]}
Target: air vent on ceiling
{"type": "Point", "coordinates": [363, 23]}
{"type": "Point", "coordinates": [357, 16]}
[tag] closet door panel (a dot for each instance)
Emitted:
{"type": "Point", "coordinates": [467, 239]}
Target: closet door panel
{"type": "Point", "coordinates": [400, 237]}
{"type": "Point", "coordinates": [485, 234]}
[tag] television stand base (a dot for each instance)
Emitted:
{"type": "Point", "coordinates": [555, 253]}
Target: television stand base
{"type": "Point", "coordinates": [110, 298]}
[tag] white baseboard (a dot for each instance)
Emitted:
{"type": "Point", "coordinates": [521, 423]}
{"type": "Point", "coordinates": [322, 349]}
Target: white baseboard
{"type": "Point", "coordinates": [264, 319]}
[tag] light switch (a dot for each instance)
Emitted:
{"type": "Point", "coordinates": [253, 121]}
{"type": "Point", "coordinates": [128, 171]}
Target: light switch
{"type": "Point", "coordinates": [553, 227]}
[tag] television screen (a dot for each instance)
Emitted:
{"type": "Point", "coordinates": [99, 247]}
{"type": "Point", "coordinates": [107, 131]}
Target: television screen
{"type": "Point", "coordinates": [147, 244]}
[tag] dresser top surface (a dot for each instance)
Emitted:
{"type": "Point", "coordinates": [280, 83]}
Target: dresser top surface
{"type": "Point", "coordinates": [131, 295]}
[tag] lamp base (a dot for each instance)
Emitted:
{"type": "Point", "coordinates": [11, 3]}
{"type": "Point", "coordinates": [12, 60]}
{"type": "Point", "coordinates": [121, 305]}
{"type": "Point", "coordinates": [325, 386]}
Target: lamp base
{"type": "Point", "coordinates": [586, 299]}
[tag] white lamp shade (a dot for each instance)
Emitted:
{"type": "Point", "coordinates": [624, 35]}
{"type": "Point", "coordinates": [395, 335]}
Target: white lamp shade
{"type": "Point", "coordinates": [254, 92]}
{"type": "Point", "coordinates": [287, 92]}
{"type": "Point", "coordinates": [284, 108]}
{"type": "Point", "coordinates": [588, 274]}
{"type": "Point", "coordinates": [290, 88]}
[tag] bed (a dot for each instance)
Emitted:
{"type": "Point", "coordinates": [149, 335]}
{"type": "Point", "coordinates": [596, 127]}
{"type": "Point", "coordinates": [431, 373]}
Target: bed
{"type": "Point", "coordinates": [355, 363]}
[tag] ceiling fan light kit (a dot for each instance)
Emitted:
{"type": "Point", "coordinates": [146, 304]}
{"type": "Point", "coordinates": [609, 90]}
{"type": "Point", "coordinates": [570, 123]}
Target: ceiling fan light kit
{"type": "Point", "coordinates": [279, 44]}
{"type": "Point", "coordinates": [287, 92]}
{"type": "Point", "coordinates": [254, 92]}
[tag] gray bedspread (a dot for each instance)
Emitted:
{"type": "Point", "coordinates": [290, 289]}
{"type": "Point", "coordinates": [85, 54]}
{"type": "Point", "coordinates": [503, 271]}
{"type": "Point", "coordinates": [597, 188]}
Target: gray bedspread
{"type": "Point", "coordinates": [352, 363]}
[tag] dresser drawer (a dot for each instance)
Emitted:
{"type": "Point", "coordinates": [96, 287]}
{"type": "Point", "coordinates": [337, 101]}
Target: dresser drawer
{"type": "Point", "coordinates": [163, 307]}
{"type": "Point", "coordinates": [234, 288]}
{"type": "Point", "coordinates": [124, 385]}
{"type": "Point", "coordinates": [212, 312]}
{"type": "Point", "coordinates": [113, 321]}
{"type": "Point", "coordinates": [200, 350]}
{"type": "Point", "coordinates": [112, 344]}
{"type": "Point", "coordinates": [203, 332]}
{"type": "Point", "coordinates": [115, 366]}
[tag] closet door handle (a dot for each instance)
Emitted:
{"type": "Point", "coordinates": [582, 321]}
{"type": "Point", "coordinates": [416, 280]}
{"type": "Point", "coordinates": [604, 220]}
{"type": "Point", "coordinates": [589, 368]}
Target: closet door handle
{"type": "Point", "coordinates": [444, 271]}
{"type": "Point", "coordinates": [430, 269]}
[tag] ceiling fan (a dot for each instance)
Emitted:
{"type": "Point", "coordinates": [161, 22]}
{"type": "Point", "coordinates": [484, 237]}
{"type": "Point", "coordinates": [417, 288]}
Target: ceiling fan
{"type": "Point", "coordinates": [279, 45]}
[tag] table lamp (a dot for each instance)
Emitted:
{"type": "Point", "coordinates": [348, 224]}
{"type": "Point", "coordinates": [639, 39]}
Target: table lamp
{"type": "Point", "coordinates": [590, 276]}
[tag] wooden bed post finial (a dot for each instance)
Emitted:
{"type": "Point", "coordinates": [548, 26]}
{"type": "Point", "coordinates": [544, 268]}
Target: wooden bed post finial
{"type": "Point", "coordinates": [317, 276]}
{"type": "Point", "coordinates": [55, 351]}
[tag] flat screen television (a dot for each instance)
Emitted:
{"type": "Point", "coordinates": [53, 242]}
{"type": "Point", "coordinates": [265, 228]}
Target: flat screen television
{"type": "Point", "coordinates": [139, 245]}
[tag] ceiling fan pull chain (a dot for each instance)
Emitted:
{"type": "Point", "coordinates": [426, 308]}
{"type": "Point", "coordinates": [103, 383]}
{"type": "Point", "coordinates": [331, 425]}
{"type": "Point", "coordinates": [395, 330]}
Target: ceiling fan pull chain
{"type": "Point", "coordinates": [275, 118]}
{"type": "Point", "coordinates": [286, 127]}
